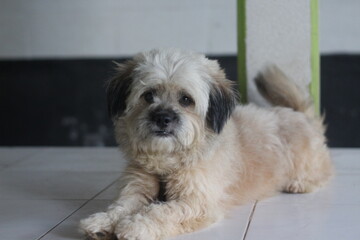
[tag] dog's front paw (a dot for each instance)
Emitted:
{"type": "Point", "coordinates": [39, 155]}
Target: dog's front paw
{"type": "Point", "coordinates": [98, 226]}
{"type": "Point", "coordinates": [136, 227]}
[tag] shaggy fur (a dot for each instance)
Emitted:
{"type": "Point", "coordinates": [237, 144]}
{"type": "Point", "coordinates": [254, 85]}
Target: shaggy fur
{"type": "Point", "coordinates": [177, 122]}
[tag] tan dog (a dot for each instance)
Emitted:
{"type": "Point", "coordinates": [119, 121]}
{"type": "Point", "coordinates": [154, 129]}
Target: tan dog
{"type": "Point", "coordinates": [190, 146]}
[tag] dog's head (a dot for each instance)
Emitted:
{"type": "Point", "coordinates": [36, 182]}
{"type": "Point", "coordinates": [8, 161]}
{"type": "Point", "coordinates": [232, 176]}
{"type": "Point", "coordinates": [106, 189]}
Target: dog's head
{"type": "Point", "coordinates": [169, 100]}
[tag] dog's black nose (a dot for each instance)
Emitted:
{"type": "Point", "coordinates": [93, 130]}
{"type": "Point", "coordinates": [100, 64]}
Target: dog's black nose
{"type": "Point", "coordinates": [163, 118]}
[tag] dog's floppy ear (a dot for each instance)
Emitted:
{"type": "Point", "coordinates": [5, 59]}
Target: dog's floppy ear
{"type": "Point", "coordinates": [118, 88]}
{"type": "Point", "coordinates": [222, 98]}
{"type": "Point", "coordinates": [222, 101]}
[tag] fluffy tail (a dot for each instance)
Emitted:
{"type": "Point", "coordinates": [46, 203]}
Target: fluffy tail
{"type": "Point", "coordinates": [279, 90]}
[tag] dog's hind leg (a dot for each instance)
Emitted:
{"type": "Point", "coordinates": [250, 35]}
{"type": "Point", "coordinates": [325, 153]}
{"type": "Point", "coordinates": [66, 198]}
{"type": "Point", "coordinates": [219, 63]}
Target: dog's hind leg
{"type": "Point", "coordinates": [311, 171]}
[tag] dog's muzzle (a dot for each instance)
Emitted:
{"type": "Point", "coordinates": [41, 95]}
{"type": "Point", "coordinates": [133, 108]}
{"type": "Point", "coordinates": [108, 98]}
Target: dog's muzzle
{"type": "Point", "coordinates": [164, 121]}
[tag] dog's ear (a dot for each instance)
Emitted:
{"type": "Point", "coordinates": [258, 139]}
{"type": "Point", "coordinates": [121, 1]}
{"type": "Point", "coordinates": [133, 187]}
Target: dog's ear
{"type": "Point", "coordinates": [118, 88]}
{"type": "Point", "coordinates": [222, 98]}
{"type": "Point", "coordinates": [222, 101]}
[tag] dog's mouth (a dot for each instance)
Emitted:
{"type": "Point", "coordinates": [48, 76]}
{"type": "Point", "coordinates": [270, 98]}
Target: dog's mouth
{"type": "Point", "coordinates": [163, 133]}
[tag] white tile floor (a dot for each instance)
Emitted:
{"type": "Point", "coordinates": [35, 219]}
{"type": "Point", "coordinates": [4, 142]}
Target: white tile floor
{"type": "Point", "coordinates": [44, 192]}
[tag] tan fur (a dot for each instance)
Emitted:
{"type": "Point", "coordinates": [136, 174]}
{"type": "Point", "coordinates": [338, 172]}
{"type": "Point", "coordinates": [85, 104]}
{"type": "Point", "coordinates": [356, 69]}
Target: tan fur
{"type": "Point", "coordinates": [279, 90]}
{"type": "Point", "coordinates": [258, 152]}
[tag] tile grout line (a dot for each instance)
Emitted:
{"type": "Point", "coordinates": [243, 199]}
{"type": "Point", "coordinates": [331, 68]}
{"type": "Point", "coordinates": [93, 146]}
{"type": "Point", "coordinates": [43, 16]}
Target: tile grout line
{"type": "Point", "coordinates": [73, 212]}
{"type": "Point", "coordinates": [249, 220]}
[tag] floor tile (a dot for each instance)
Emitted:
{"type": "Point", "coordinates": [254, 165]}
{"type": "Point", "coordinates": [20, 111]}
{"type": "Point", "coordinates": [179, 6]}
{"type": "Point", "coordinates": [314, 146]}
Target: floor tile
{"type": "Point", "coordinates": [110, 193]}
{"type": "Point", "coordinates": [12, 155]}
{"type": "Point", "coordinates": [69, 228]}
{"type": "Point", "coordinates": [346, 160]}
{"type": "Point", "coordinates": [74, 159]}
{"type": "Point", "coordinates": [302, 221]}
{"type": "Point", "coordinates": [30, 219]}
{"type": "Point", "coordinates": [53, 185]}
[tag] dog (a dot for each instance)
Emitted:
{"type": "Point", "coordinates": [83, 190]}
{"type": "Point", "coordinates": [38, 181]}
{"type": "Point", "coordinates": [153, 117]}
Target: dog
{"type": "Point", "coordinates": [192, 152]}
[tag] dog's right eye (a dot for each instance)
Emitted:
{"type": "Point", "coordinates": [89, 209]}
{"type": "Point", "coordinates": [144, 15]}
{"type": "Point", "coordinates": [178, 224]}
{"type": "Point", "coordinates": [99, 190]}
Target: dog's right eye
{"type": "Point", "coordinates": [149, 96]}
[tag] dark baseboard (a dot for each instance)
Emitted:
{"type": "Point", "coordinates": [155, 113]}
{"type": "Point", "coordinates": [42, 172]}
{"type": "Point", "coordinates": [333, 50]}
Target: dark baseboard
{"type": "Point", "coordinates": [63, 102]}
{"type": "Point", "coordinates": [340, 98]}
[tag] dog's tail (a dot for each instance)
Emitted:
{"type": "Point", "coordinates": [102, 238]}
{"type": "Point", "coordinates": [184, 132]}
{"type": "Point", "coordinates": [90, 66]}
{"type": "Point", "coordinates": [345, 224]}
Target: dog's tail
{"type": "Point", "coordinates": [279, 90]}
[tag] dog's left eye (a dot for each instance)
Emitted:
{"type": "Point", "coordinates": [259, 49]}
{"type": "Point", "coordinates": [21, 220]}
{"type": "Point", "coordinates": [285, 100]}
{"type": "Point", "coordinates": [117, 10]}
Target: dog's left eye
{"type": "Point", "coordinates": [148, 96]}
{"type": "Point", "coordinates": [186, 101]}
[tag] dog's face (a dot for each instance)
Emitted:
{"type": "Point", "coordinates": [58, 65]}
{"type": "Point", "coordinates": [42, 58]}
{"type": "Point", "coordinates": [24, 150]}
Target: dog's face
{"type": "Point", "coordinates": [166, 101]}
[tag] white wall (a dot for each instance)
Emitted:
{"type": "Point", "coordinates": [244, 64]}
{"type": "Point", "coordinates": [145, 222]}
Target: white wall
{"type": "Point", "coordinates": [113, 28]}
{"type": "Point", "coordinates": [340, 26]}
{"type": "Point", "coordinates": [86, 28]}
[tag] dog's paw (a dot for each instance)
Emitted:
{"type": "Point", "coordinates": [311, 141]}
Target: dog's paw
{"type": "Point", "coordinates": [136, 227]}
{"type": "Point", "coordinates": [98, 226]}
{"type": "Point", "coordinates": [298, 186]}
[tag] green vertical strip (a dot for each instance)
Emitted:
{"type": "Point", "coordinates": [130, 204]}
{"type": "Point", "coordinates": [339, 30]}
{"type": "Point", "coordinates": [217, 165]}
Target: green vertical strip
{"type": "Point", "coordinates": [241, 60]}
{"type": "Point", "coordinates": [315, 56]}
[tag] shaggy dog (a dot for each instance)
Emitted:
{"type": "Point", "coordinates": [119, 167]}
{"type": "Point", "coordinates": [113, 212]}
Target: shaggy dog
{"type": "Point", "coordinates": [193, 153]}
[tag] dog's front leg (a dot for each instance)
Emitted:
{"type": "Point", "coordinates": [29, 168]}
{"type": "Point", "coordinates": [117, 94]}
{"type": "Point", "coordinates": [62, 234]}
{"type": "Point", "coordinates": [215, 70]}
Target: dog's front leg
{"type": "Point", "coordinates": [138, 188]}
{"type": "Point", "coordinates": [188, 213]}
